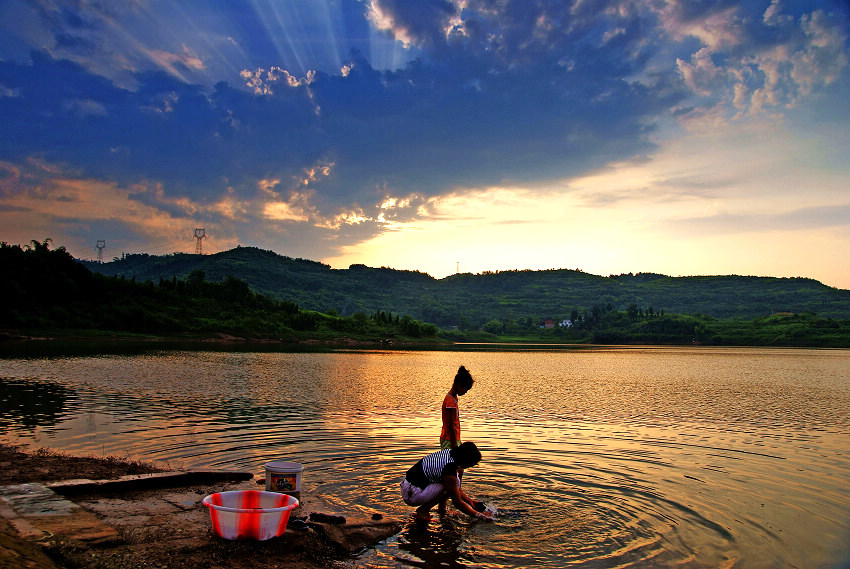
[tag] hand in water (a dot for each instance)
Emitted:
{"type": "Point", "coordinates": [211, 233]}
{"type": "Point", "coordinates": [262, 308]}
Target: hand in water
{"type": "Point", "coordinates": [485, 511]}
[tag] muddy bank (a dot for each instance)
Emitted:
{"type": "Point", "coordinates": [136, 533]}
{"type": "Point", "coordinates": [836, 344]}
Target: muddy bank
{"type": "Point", "coordinates": [43, 465]}
{"type": "Point", "coordinates": [153, 519]}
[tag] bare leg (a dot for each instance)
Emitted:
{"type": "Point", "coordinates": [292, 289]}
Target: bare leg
{"type": "Point", "coordinates": [423, 510]}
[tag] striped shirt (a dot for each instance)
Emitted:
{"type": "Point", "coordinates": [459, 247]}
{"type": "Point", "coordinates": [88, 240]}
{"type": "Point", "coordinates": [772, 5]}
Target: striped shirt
{"type": "Point", "coordinates": [432, 468]}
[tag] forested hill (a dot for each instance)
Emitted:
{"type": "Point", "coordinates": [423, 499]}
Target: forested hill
{"type": "Point", "coordinates": [469, 300]}
{"type": "Point", "coordinates": [48, 293]}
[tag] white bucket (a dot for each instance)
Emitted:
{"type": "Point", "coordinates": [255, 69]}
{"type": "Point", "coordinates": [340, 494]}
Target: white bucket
{"type": "Point", "coordinates": [283, 477]}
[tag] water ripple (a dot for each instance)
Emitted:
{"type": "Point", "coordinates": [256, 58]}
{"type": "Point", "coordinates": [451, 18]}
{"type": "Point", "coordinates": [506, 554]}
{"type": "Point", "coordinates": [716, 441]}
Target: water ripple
{"type": "Point", "coordinates": [641, 459]}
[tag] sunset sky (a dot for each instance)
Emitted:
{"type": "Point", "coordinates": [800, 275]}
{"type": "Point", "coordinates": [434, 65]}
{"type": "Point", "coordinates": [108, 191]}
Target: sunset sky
{"type": "Point", "coordinates": [679, 137]}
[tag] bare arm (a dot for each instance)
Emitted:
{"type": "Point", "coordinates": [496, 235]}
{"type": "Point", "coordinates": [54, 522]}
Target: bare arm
{"type": "Point", "coordinates": [461, 501]}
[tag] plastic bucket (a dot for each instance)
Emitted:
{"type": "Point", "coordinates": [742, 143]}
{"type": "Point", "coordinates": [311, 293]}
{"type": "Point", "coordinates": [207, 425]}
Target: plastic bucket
{"type": "Point", "coordinates": [249, 514]}
{"type": "Point", "coordinates": [284, 477]}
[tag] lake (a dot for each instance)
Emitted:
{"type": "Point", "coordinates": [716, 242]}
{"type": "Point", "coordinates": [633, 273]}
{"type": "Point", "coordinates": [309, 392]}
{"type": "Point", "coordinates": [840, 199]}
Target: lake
{"type": "Point", "coordinates": [597, 457]}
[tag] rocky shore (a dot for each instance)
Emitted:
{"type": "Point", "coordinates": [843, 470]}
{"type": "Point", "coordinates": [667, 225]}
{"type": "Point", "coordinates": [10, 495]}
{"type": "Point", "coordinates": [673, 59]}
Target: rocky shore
{"type": "Point", "coordinates": [61, 512]}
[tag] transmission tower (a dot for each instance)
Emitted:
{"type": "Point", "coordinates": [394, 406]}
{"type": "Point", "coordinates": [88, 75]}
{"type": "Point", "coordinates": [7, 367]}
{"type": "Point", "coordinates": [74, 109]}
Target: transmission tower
{"type": "Point", "coordinates": [101, 245]}
{"type": "Point", "coordinates": [200, 235]}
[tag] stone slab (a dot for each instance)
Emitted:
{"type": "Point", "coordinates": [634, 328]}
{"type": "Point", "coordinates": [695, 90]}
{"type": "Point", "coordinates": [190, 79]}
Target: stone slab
{"type": "Point", "coordinates": [36, 499]}
{"type": "Point", "coordinates": [137, 482]}
{"type": "Point", "coordinates": [21, 526]}
{"type": "Point", "coordinates": [16, 553]}
{"type": "Point", "coordinates": [36, 511]}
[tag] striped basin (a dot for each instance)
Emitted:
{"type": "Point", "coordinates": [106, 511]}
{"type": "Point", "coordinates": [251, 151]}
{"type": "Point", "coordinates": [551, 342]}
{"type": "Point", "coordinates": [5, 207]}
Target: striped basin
{"type": "Point", "coordinates": [249, 514]}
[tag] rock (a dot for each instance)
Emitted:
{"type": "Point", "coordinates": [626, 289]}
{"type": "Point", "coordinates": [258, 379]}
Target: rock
{"type": "Point", "coordinates": [326, 518]}
{"type": "Point", "coordinates": [296, 524]}
{"type": "Point", "coordinates": [355, 535]}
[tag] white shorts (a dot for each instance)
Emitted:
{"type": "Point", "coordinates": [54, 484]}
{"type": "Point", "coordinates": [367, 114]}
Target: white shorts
{"type": "Point", "coordinates": [415, 496]}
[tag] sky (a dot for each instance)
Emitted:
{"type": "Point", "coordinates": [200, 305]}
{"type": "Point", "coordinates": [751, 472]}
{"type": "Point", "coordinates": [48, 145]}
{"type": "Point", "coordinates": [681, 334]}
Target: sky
{"type": "Point", "coordinates": [681, 137]}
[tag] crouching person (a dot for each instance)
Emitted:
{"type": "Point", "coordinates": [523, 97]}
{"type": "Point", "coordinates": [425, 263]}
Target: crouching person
{"type": "Point", "coordinates": [435, 478]}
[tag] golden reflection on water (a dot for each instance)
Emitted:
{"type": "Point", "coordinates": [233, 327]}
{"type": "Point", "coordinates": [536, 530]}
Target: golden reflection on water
{"type": "Point", "coordinates": [640, 457]}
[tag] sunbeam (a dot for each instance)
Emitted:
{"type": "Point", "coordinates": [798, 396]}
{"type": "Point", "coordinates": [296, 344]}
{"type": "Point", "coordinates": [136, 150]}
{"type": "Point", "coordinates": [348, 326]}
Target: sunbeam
{"type": "Point", "coordinates": [671, 137]}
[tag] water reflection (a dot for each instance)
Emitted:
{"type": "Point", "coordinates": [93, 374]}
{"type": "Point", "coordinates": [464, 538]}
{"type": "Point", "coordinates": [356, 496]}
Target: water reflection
{"type": "Point", "coordinates": [26, 404]}
{"type": "Point", "coordinates": [600, 458]}
{"type": "Point", "coordinates": [435, 545]}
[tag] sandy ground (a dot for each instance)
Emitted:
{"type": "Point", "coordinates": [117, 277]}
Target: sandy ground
{"type": "Point", "coordinates": [157, 528]}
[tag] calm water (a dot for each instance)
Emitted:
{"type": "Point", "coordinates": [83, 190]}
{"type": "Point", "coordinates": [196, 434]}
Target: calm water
{"type": "Point", "coordinates": [645, 457]}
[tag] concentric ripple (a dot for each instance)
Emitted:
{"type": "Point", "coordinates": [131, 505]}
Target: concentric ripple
{"type": "Point", "coordinates": [637, 458]}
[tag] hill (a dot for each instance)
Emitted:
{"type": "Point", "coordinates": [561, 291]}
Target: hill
{"type": "Point", "coordinates": [48, 292]}
{"type": "Point", "coordinates": [470, 301]}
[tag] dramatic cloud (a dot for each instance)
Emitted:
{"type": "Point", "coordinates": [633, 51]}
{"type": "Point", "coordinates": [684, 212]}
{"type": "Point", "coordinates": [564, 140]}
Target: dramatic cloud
{"type": "Point", "coordinates": [320, 125]}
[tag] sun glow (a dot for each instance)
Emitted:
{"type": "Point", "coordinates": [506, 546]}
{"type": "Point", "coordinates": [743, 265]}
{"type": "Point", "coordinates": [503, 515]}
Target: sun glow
{"type": "Point", "coordinates": [673, 214]}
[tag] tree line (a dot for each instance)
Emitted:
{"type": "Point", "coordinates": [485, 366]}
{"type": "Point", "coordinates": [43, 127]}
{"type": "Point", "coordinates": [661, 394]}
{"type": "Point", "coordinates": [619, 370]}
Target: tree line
{"type": "Point", "coordinates": [467, 301]}
{"type": "Point", "coordinates": [602, 324]}
{"type": "Point", "coordinates": [46, 289]}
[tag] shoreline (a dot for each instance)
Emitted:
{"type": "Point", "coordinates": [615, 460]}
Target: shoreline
{"type": "Point", "coordinates": [114, 513]}
{"type": "Point", "coordinates": [9, 339]}
{"type": "Point", "coordinates": [9, 336]}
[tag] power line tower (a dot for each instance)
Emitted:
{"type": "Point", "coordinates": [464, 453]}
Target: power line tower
{"type": "Point", "coordinates": [101, 245]}
{"type": "Point", "coordinates": [200, 235]}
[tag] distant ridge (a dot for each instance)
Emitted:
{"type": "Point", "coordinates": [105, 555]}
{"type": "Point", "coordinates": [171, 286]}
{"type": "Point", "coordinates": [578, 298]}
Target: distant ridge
{"type": "Point", "coordinates": [475, 299]}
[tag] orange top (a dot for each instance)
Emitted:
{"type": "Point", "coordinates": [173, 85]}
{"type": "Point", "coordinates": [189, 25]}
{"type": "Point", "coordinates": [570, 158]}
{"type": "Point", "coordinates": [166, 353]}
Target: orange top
{"type": "Point", "coordinates": [450, 402]}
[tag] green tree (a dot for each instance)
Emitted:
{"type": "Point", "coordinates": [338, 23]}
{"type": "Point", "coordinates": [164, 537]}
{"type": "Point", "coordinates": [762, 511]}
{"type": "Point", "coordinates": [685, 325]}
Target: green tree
{"type": "Point", "coordinates": [493, 326]}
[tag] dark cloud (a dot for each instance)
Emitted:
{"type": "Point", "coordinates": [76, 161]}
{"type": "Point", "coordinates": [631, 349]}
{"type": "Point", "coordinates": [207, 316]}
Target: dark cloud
{"type": "Point", "coordinates": [460, 119]}
{"type": "Point", "coordinates": [13, 209]}
{"type": "Point", "coordinates": [514, 91]}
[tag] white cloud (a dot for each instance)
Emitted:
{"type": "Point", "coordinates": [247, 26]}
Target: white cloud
{"type": "Point", "coordinates": [185, 58]}
{"type": "Point", "coordinates": [282, 211]}
{"type": "Point", "coordinates": [761, 74]}
{"type": "Point", "coordinates": [824, 57]}
{"type": "Point", "coordinates": [773, 15]}
{"type": "Point", "coordinates": [717, 31]}
{"type": "Point", "coordinates": [701, 74]}
{"type": "Point", "coordinates": [261, 80]}
{"type": "Point", "coordinates": [611, 34]}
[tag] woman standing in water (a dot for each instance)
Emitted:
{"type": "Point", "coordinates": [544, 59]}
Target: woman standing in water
{"type": "Point", "coordinates": [450, 435]}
